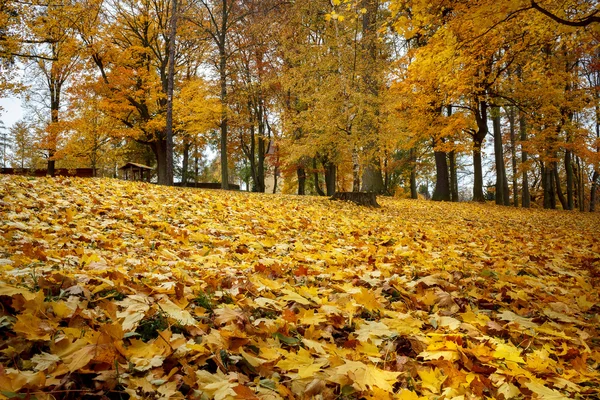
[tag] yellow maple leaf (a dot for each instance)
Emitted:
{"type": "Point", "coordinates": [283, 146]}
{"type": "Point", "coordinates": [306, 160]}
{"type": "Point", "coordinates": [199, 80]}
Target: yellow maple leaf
{"type": "Point", "coordinates": [303, 362]}
{"type": "Point", "coordinates": [310, 317]}
{"type": "Point", "coordinates": [545, 393]}
{"type": "Point", "coordinates": [432, 379]}
{"type": "Point", "coordinates": [507, 351]}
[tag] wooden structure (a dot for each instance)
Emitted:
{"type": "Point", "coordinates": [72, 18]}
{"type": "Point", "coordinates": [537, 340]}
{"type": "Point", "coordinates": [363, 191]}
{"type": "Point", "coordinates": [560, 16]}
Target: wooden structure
{"type": "Point", "coordinates": [78, 172]}
{"type": "Point", "coordinates": [136, 172]}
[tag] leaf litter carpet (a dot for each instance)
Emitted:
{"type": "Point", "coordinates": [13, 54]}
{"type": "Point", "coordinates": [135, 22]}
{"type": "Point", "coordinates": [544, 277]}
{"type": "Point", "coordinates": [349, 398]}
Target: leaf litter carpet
{"type": "Point", "coordinates": [117, 290]}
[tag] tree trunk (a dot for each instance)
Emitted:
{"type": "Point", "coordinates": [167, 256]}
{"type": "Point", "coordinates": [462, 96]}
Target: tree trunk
{"type": "Point", "coordinates": [453, 176]}
{"type": "Point", "coordinates": [501, 181]}
{"type": "Point", "coordinates": [570, 180]}
{"type": "Point", "coordinates": [170, 87]}
{"type": "Point", "coordinates": [184, 165]}
{"type": "Point", "coordinates": [301, 181]}
{"type": "Point", "coordinates": [368, 199]}
{"type": "Point", "coordinates": [526, 202]}
{"type": "Point", "coordinates": [442, 183]}
{"type": "Point", "coordinates": [414, 194]}
{"type": "Point", "coordinates": [581, 192]}
{"type": "Point", "coordinates": [513, 155]}
{"type": "Point", "coordinates": [372, 179]}
{"type": "Point", "coordinates": [559, 192]}
{"type": "Point", "coordinates": [594, 191]}
{"type": "Point", "coordinates": [224, 120]}
{"type": "Point", "coordinates": [478, 138]}
{"type": "Point", "coordinates": [316, 178]}
{"type": "Point", "coordinates": [355, 172]}
{"type": "Point", "coordinates": [159, 148]}
{"type": "Point", "coordinates": [330, 177]}
{"type": "Point", "coordinates": [251, 154]}
{"type": "Point", "coordinates": [275, 173]}
{"type": "Point", "coordinates": [196, 165]}
{"type": "Point", "coordinates": [548, 185]}
{"type": "Point", "coordinates": [260, 173]}
{"type": "Point", "coordinates": [478, 175]}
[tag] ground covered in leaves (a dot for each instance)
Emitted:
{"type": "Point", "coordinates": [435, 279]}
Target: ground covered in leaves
{"type": "Point", "coordinates": [116, 290]}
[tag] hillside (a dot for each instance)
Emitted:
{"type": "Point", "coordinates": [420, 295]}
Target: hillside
{"type": "Point", "coordinates": [130, 290]}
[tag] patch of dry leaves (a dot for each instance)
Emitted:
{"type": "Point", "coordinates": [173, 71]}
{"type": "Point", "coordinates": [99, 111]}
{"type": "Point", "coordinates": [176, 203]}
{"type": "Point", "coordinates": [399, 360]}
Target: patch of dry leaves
{"type": "Point", "coordinates": [118, 290]}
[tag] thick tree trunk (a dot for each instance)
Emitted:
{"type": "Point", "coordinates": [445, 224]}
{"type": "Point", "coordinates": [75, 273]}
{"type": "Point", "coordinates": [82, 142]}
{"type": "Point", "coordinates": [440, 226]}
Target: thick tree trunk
{"type": "Point", "coordinates": [414, 194]}
{"type": "Point", "coordinates": [372, 179]}
{"type": "Point", "coordinates": [159, 148]}
{"type": "Point", "coordinates": [478, 138]}
{"type": "Point", "coordinates": [548, 185]}
{"type": "Point", "coordinates": [301, 181]}
{"type": "Point", "coordinates": [442, 181]}
{"type": "Point", "coordinates": [320, 191]}
{"type": "Point", "coordinates": [526, 202]}
{"type": "Point", "coordinates": [478, 175]}
{"type": "Point", "coordinates": [359, 198]}
{"type": "Point", "coordinates": [330, 177]}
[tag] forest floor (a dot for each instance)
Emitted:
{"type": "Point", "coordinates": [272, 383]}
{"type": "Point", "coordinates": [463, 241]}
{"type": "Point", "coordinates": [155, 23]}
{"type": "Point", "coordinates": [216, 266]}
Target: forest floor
{"type": "Point", "coordinates": [116, 290]}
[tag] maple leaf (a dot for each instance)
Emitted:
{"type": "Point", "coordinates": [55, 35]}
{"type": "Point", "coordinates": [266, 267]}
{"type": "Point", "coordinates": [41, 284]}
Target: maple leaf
{"type": "Point", "coordinates": [303, 362]}
{"type": "Point", "coordinates": [366, 376]}
{"type": "Point", "coordinates": [218, 386]}
{"type": "Point", "coordinates": [544, 392]}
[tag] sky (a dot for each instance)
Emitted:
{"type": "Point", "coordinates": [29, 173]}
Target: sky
{"type": "Point", "coordinates": [11, 111]}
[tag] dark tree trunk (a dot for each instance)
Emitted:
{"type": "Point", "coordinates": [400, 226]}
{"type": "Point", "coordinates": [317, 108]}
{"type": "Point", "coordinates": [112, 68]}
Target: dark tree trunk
{"type": "Point", "coordinates": [502, 195]}
{"type": "Point", "coordinates": [478, 175]}
{"type": "Point", "coordinates": [442, 182]}
{"type": "Point", "coordinates": [414, 194]}
{"type": "Point", "coordinates": [478, 138]}
{"type": "Point", "coordinates": [275, 173]}
{"type": "Point", "coordinates": [368, 199]}
{"type": "Point", "coordinates": [330, 178]}
{"type": "Point", "coordinates": [301, 181]}
{"type": "Point", "coordinates": [559, 192]}
{"type": "Point", "coordinates": [170, 87]}
{"type": "Point", "coordinates": [548, 185]}
{"type": "Point", "coordinates": [513, 154]}
{"type": "Point", "coordinates": [581, 180]}
{"type": "Point", "coordinates": [316, 178]}
{"type": "Point", "coordinates": [570, 180]}
{"type": "Point", "coordinates": [452, 165]}
{"type": "Point", "coordinates": [526, 202]}
{"type": "Point", "coordinates": [159, 148]}
{"type": "Point", "coordinates": [196, 164]}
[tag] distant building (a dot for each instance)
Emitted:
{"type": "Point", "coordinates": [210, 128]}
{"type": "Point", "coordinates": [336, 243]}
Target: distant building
{"type": "Point", "coordinates": [136, 172]}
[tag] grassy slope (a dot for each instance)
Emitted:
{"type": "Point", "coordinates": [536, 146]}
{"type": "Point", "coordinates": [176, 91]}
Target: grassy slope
{"type": "Point", "coordinates": [288, 294]}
